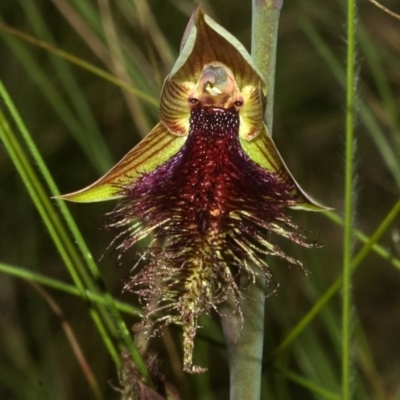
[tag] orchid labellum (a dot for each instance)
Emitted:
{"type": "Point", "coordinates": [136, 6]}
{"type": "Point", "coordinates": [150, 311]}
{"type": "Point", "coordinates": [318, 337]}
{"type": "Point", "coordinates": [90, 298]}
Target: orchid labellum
{"type": "Point", "coordinates": [207, 181]}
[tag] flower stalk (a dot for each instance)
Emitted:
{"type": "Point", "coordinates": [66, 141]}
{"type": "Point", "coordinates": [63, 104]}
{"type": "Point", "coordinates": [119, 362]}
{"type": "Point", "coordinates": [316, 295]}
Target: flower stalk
{"type": "Point", "coordinates": [245, 343]}
{"type": "Point", "coordinates": [264, 28]}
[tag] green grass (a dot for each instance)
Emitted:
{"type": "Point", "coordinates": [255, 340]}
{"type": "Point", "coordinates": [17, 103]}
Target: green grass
{"type": "Point", "coordinates": [74, 103]}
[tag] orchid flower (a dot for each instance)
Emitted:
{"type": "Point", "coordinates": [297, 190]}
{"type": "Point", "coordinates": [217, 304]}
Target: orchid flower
{"type": "Point", "coordinates": [208, 182]}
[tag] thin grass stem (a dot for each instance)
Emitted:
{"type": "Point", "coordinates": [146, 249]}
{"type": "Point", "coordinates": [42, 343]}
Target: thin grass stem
{"type": "Point", "coordinates": [333, 289]}
{"type": "Point", "coordinates": [94, 282]}
{"type": "Point", "coordinates": [92, 136]}
{"type": "Point", "coordinates": [48, 216]}
{"type": "Point", "coordinates": [311, 386]}
{"type": "Point", "coordinates": [366, 115]}
{"type": "Point", "coordinates": [68, 288]}
{"type": "Point", "coordinates": [245, 344]}
{"type": "Point", "coordinates": [79, 62]}
{"type": "Point", "coordinates": [348, 199]}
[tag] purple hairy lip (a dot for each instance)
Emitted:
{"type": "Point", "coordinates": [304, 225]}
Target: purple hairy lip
{"type": "Point", "coordinates": [215, 208]}
{"type": "Point", "coordinates": [210, 188]}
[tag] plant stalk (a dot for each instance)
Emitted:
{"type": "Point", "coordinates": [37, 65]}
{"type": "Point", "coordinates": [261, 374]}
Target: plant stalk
{"type": "Point", "coordinates": [244, 334]}
{"type": "Point", "coordinates": [265, 21]}
{"type": "Point", "coordinates": [348, 199]}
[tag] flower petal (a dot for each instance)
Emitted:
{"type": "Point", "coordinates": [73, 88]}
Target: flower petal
{"type": "Point", "coordinates": [158, 146]}
{"type": "Point", "coordinates": [262, 150]}
{"type": "Point", "coordinates": [207, 43]}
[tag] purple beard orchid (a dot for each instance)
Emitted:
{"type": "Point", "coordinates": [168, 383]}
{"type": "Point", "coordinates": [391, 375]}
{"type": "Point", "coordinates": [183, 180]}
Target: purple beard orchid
{"type": "Point", "coordinates": [207, 181]}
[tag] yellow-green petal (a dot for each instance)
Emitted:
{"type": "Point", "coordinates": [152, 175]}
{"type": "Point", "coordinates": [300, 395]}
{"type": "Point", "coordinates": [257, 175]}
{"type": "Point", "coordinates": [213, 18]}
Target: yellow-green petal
{"type": "Point", "coordinates": [262, 150]}
{"type": "Point", "coordinates": [204, 43]}
{"type": "Point", "coordinates": [158, 146]}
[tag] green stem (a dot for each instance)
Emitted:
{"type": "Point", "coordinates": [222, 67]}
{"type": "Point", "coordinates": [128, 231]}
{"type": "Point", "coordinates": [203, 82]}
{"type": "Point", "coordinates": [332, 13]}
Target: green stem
{"type": "Point", "coordinates": [244, 338]}
{"type": "Point", "coordinates": [348, 200]}
{"type": "Point", "coordinates": [265, 21]}
{"type": "Point", "coordinates": [244, 335]}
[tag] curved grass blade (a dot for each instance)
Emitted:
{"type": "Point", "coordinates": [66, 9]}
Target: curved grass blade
{"type": "Point", "coordinates": [94, 282]}
{"type": "Point", "coordinates": [27, 275]}
{"type": "Point", "coordinates": [51, 220]}
{"type": "Point", "coordinates": [370, 243]}
{"type": "Point", "coordinates": [78, 102]}
{"type": "Point", "coordinates": [348, 198]}
{"type": "Point", "coordinates": [77, 61]}
{"type": "Point", "coordinates": [385, 148]}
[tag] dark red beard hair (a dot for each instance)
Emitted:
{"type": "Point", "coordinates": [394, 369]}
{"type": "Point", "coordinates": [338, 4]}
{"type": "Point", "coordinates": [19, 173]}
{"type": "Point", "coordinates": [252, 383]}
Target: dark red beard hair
{"type": "Point", "coordinates": [215, 210]}
{"type": "Point", "coordinates": [211, 188]}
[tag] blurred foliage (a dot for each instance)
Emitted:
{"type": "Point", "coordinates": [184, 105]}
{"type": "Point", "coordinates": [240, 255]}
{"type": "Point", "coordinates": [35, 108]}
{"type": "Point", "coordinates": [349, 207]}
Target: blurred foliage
{"type": "Point", "coordinates": [83, 123]}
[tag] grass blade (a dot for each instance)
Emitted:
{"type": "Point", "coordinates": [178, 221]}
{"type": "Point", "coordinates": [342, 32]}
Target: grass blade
{"type": "Point", "coordinates": [348, 199]}
{"type": "Point", "coordinates": [93, 281]}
